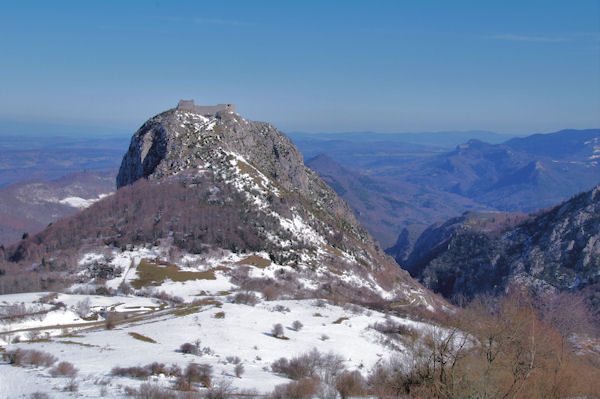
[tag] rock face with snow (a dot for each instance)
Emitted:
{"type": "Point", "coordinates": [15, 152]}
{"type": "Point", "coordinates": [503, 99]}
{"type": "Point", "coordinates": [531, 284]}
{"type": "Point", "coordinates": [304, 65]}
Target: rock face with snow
{"type": "Point", "coordinates": [202, 183]}
{"type": "Point", "coordinates": [553, 249]}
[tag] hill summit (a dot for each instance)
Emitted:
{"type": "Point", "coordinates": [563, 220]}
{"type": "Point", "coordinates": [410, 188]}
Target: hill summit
{"type": "Point", "coordinates": [222, 190]}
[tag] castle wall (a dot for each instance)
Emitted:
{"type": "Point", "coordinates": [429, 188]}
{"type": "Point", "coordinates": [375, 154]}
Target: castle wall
{"type": "Point", "coordinates": [188, 105]}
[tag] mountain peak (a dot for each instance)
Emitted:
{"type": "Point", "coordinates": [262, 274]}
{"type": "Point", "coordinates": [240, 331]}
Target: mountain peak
{"type": "Point", "coordinates": [218, 182]}
{"type": "Point", "coordinates": [180, 139]}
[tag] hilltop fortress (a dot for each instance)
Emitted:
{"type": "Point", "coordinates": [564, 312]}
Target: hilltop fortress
{"type": "Point", "coordinates": [188, 105]}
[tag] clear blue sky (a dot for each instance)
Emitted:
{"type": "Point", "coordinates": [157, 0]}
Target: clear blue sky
{"type": "Point", "coordinates": [389, 66]}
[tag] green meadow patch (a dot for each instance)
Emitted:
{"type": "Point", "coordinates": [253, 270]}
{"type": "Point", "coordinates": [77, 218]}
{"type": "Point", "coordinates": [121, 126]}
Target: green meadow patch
{"type": "Point", "coordinates": [256, 261]}
{"type": "Point", "coordinates": [142, 337]}
{"type": "Point", "coordinates": [151, 273]}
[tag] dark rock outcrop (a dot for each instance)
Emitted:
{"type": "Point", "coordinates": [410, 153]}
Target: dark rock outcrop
{"type": "Point", "coordinates": [555, 249]}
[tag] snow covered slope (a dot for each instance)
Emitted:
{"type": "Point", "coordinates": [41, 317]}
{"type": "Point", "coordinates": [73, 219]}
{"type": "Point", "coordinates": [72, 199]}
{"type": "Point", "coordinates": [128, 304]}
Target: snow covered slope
{"type": "Point", "coordinates": [225, 333]}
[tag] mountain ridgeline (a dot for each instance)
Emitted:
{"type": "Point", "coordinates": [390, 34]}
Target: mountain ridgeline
{"type": "Point", "coordinates": [398, 189]}
{"type": "Point", "coordinates": [551, 250]}
{"type": "Point", "coordinates": [220, 182]}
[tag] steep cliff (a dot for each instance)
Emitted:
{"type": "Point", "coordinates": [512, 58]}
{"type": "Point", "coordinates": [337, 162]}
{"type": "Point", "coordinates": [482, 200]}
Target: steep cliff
{"type": "Point", "coordinates": [552, 249]}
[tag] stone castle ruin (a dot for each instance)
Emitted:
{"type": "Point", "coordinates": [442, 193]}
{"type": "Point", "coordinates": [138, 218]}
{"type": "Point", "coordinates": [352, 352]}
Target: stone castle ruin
{"type": "Point", "coordinates": [189, 106]}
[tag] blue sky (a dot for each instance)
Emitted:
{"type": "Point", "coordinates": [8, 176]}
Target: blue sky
{"type": "Point", "coordinates": [387, 66]}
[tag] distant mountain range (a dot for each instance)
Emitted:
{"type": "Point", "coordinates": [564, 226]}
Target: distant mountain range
{"type": "Point", "coordinates": [51, 157]}
{"type": "Point", "coordinates": [30, 205]}
{"type": "Point", "coordinates": [519, 175]}
{"type": "Point", "coordinates": [384, 205]}
{"type": "Point", "coordinates": [445, 139]}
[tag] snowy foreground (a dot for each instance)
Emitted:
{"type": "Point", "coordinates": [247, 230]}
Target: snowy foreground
{"type": "Point", "coordinates": [73, 328]}
{"type": "Point", "coordinates": [243, 331]}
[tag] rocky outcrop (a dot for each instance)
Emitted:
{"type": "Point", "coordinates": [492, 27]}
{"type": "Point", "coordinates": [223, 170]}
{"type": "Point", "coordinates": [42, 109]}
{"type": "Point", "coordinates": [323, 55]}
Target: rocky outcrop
{"type": "Point", "coordinates": [175, 141]}
{"type": "Point", "coordinates": [555, 249]}
{"type": "Point", "coordinates": [220, 182]}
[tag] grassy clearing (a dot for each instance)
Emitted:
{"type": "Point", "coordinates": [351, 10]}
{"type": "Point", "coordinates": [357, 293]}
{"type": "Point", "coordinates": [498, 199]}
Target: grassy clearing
{"type": "Point", "coordinates": [151, 273]}
{"type": "Point", "coordinates": [256, 261]}
{"type": "Point", "coordinates": [220, 315]}
{"type": "Point", "coordinates": [333, 250]}
{"type": "Point", "coordinates": [34, 341]}
{"type": "Point", "coordinates": [67, 342]}
{"type": "Point", "coordinates": [250, 171]}
{"type": "Point", "coordinates": [340, 320]}
{"type": "Point", "coordinates": [142, 337]}
{"type": "Point", "coordinates": [184, 310]}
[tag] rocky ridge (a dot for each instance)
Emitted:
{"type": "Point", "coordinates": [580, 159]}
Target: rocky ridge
{"type": "Point", "coordinates": [555, 249]}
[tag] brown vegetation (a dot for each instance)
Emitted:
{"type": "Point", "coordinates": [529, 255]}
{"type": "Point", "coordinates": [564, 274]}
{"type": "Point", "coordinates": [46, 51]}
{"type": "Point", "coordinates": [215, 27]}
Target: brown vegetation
{"type": "Point", "coordinates": [141, 337]}
{"type": "Point", "coordinates": [504, 348]}
{"type": "Point", "coordinates": [64, 369]}
{"type": "Point", "coordinates": [28, 357]}
{"type": "Point", "coordinates": [146, 371]}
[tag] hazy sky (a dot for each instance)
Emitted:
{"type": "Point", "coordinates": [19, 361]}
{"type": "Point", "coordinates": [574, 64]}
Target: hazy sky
{"type": "Point", "coordinates": [389, 66]}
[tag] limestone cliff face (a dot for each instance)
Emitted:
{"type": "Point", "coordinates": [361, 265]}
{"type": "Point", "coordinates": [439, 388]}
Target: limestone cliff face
{"type": "Point", "coordinates": [553, 249]}
{"type": "Point", "coordinates": [176, 141]}
{"type": "Point", "coordinates": [256, 160]}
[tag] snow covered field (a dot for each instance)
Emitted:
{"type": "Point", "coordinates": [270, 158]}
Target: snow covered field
{"type": "Point", "coordinates": [221, 329]}
{"type": "Point", "coordinates": [160, 312]}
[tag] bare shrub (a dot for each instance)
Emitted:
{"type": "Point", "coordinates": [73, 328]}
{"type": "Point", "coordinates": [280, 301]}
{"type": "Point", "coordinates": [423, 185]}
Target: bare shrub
{"type": "Point", "coordinates": [390, 327]}
{"type": "Point", "coordinates": [174, 371]}
{"type": "Point", "coordinates": [233, 359]}
{"type": "Point", "coordinates": [201, 373]}
{"type": "Point", "coordinates": [297, 325]}
{"type": "Point", "coordinates": [39, 395]}
{"type": "Point", "coordinates": [281, 308]}
{"type": "Point", "coordinates": [350, 384]}
{"type": "Point", "coordinates": [246, 298]}
{"type": "Point", "coordinates": [311, 364]}
{"type": "Point", "coordinates": [49, 298]}
{"type": "Point", "coordinates": [72, 385]}
{"type": "Point", "coordinates": [64, 369]}
{"type": "Point", "coordinates": [189, 348]}
{"type": "Point", "coordinates": [324, 337]}
{"type": "Point", "coordinates": [146, 371]}
{"type": "Point", "coordinates": [133, 372]}
{"type": "Point", "coordinates": [498, 347]}
{"type": "Point", "coordinates": [320, 303]}
{"type": "Point", "coordinates": [277, 330]}
{"type": "Point", "coordinates": [157, 368]}
{"type": "Point", "coordinates": [270, 293]}
{"type": "Point", "coordinates": [31, 357]}
{"type": "Point", "coordinates": [222, 389]}
{"type": "Point", "coordinates": [20, 311]}
{"type": "Point", "coordinates": [111, 321]}
{"type": "Point", "coordinates": [125, 288]}
{"type": "Point", "coordinates": [82, 308]}
{"type": "Point", "coordinates": [239, 370]}
{"type": "Point", "coordinates": [154, 391]}
{"type": "Point", "coordinates": [305, 388]}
